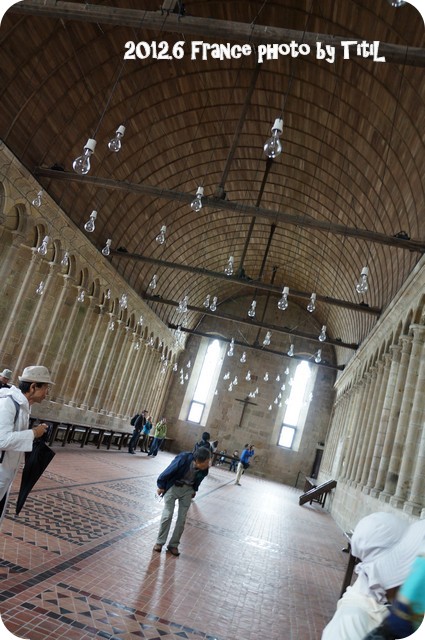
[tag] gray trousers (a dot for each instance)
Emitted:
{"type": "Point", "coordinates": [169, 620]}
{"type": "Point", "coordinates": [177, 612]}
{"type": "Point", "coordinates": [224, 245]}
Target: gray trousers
{"type": "Point", "coordinates": [184, 497]}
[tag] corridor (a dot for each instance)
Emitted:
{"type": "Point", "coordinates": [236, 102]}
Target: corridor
{"type": "Point", "coordinates": [78, 562]}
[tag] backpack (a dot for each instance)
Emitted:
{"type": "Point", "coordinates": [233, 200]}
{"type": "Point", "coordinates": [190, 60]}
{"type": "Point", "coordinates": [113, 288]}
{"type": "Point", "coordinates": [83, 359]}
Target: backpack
{"type": "Point", "coordinates": [14, 422]}
{"type": "Point", "coordinates": [133, 419]}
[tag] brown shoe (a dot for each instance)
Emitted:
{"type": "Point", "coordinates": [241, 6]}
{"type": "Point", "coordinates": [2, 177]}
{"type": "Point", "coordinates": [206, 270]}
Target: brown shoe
{"type": "Point", "coordinates": [174, 551]}
{"type": "Point", "coordinates": [158, 547]}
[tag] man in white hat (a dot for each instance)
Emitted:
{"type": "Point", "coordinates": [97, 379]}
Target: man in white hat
{"type": "Point", "coordinates": [364, 605]}
{"type": "Point", "coordinates": [15, 437]}
{"type": "Point", "coordinates": [5, 376]}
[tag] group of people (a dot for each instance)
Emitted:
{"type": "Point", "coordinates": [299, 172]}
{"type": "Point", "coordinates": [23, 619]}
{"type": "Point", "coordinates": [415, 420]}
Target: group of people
{"type": "Point", "coordinates": [387, 600]}
{"type": "Point", "coordinates": [142, 423]}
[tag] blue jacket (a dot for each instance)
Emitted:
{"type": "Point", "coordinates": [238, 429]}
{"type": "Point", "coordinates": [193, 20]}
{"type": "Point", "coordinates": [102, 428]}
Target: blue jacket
{"type": "Point", "coordinates": [246, 455]}
{"type": "Point", "coordinates": [177, 470]}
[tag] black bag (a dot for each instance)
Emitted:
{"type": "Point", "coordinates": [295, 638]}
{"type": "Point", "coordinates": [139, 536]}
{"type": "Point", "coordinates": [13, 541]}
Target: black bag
{"type": "Point", "coordinates": [245, 465]}
{"type": "Point", "coordinates": [133, 419]}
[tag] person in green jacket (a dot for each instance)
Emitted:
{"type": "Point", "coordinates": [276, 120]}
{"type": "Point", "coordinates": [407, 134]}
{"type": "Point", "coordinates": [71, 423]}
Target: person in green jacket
{"type": "Point", "coordinates": [158, 437]}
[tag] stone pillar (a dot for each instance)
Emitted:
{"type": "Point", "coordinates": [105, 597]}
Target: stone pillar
{"type": "Point", "coordinates": [159, 407]}
{"type": "Point", "coordinates": [108, 382]}
{"type": "Point", "coordinates": [353, 433]}
{"type": "Point", "coordinates": [91, 387]}
{"type": "Point", "coordinates": [369, 471]}
{"type": "Point", "coordinates": [84, 376]}
{"type": "Point", "coordinates": [390, 480]}
{"type": "Point", "coordinates": [414, 419]}
{"type": "Point", "coordinates": [55, 316]}
{"type": "Point", "coordinates": [153, 378]}
{"type": "Point", "coordinates": [146, 381]}
{"type": "Point", "coordinates": [416, 501]}
{"type": "Point", "coordinates": [130, 359]}
{"type": "Point", "coordinates": [133, 404]}
{"type": "Point", "coordinates": [364, 426]}
{"type": "Point", "coordinates": [20, 294]}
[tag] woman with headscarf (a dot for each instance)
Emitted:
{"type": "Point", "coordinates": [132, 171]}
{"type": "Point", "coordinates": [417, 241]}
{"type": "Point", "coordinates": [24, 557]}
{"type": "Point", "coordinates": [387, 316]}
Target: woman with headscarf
{"type": "Point", "coordinates": [364, 605]}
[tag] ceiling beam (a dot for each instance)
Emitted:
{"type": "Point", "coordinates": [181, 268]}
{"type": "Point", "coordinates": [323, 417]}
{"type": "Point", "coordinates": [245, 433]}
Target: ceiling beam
{"type": "Point", "coordinates": [227, 30]}
{"type": "Point", "coordinates": [216, 336]}
{"type": "Point", "coordinates": [253, 323]}
{"type": "Point", "coordinates": [253, 284]}
{"type": "Point", "coordinates": [305, 221]}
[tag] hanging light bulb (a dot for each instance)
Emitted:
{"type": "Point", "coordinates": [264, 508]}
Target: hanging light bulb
{"type": "Point", "coordinates": [231, 347]}
{"type": "Point", "coordinates": [251, 310]}
{"type": "Point", "coordinates": [235, 381]}
{"type": "Point", "coordinates": [153, 283]}
{"type": "Point", "coordinates": [108, 294]}
{"type": "Point", "coordinates": [362, 285]}
{"type": "Point", "coordinates": [38, 199]}
{"type": "Point", "coordinates": [312, 304]}
{"type": "Point", "coordinates": [115, 143]}
{"type": "Point", "coordinates": [107, 248]}
{"type": "Point", "coordinates": [216, 392]}
{"type": "Point", "coordinates": [243, 357]}
{"type": "Point", "coordinates": [89, 226]}
{"type": "Point", "coordinates": [182, 308]}
{"type": "Point", "coordinates": [291, 351]}
{"type": "Point", "coordinates": [175, 367]}
{"type": "Point", "coordinates": [266, 376]}
{"type": "Point", "coordinates": [140, 322]}
{"type": "Point", "coordinates": [322, 334]}
{"type": "Point", "coordinates": [273, 146]}
{"type": "Point", "coordinates": [286, 371]}
{"type": "Point", "coordinates": [123, 301]}
{"type": "Point", "coordinates": [226, 376]}
{"type": "Point", "coordinates": [207, 301]}
{"type": "Point", "coordinates": [81, 296]}
{"type": "Point", "coordinates": [197, 203]}
{"type": "Point", "coordinates": [213, 305]}
{"type": "Point", "coordinates": [248, 376]}
{"type": "Point", "coordinates": [229, 267]}
{"type": "Point", "coordinates": [318, 356]}
{"type": "Point", "coordinates": [40, 289]}
{"type": "Point", "coordinates": [278, 378]}
{"type": "Point", "coordinates": [186, 377]}
{"type": "Point", "coordinates": [266, 340]}
{"type": "Point", "coordinates": [279, 395]}
{"type": "Point", "coordinates": [42, 249]}
{"type": "Point", "coordinates": [270, 407]}
{"type": "Point", "coordinates": [283, 302]}
{"type": "Point", "coordinates": [65, 259]}
{"type": "Point", "coordinates": [276, 400]}
{"type": "Point", "coordinates": [230, 387]}
{"type": "Point", "coordinates": [81, 165]}
{"type": "Point", "coordinates": [189, 364]}
{"type": "Point", "coordinates": [160, 238]}
{"type": "Point", "coordinates": [283, 387]}
{"type": "Point", "coordinates": [137, 345]}
{"type": "Point", "coordinates": [256, 391]}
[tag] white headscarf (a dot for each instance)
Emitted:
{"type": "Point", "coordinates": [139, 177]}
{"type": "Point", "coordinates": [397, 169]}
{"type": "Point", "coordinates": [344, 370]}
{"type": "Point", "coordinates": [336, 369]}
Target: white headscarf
{"type": "Point", "coordinates": [375, 533]}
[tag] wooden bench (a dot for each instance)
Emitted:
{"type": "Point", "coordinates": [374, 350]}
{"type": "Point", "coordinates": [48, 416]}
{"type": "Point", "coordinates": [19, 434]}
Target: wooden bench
{"type": "Point", "coordinates": [352, 561]}
{"type": "Point", "coordinates": [68, 432]}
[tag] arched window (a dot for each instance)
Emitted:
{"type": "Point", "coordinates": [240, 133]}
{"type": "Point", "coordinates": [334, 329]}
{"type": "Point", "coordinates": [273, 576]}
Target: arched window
{"type": "Point", "coordinates": [297, 399]}
{"type": "Point", "coordinates": [206, 383]}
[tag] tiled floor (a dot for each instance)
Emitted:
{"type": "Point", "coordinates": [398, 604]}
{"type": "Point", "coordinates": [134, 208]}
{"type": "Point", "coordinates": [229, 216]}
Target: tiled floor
{"type": "Point", "coordinates": [78, 563]}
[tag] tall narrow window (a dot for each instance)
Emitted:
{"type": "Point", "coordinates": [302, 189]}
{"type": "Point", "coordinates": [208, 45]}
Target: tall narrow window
{"type": "Point", "coordinates": [205, 382]}
{"type": "Point", "coordinates": [294, 407]}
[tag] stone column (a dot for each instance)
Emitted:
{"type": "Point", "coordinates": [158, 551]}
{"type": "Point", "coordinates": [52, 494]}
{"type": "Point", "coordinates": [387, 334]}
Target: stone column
{"type": "Point", "coordinates": [20, 294]}
{"type": "Point", "coordinates": [103, 398]}
{"type": "Point", "coordinates": [133, 404]}
{"type": "Point", "coordinates": [83, 379]}
{"type": "Point", "coordinates": [391, 477]}
{"type": "Point", "coordinates": [413, 418]}
{"type": "Point", "coordinates": [159, 407]}
{"type": "Point", "coordinates": [153, 386]}
{"type": "Point", "coordinates": [57, 311]}
{"type": "Point", "coordinates": [416, 502]}
{"type": "Point", "coordinates": [369, 470]}
{"type": "Point", "coordinates": [91, 387]}
{"type": "Point", "coordinates": [353, 432]}
{"type": "Point", "coordinates": [146, 381]}
{"type": "Point", "coordinates": [364, 426]}
{"type": "Point", "coordinates": [129, 354]}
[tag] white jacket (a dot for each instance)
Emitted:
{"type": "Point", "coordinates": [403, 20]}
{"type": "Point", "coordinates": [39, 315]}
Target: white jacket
{"type": "Point", "coordinates": [14, 438]}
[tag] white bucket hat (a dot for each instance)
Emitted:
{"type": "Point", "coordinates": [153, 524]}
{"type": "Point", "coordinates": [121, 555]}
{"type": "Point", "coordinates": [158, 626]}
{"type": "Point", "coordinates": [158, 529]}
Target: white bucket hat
{"type": "Point", "coordinates": [391, 568]}
{"type": "Point", "coordinates": [6, 373]}
{"type": "Point", "coordinates": [36, 374]}
{"type": "Point", "coordinates": [376, 533]}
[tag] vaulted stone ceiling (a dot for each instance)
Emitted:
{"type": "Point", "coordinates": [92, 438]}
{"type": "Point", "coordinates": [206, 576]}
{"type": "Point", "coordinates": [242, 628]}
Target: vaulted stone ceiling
{"type": "Point", "coordinates": [346, 192]}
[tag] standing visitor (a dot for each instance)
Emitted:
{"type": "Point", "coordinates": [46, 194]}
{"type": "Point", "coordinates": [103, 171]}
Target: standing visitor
{"type": "Point", "coordinates": [246, 454]}
{"type": "Point", "coordinates": [158, 437]}
{"type": "Point", "coordinates": [15, 437]}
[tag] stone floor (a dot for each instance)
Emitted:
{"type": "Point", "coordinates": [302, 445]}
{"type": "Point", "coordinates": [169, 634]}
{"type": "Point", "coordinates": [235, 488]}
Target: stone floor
{"type": "Point", "coordinates": [78, 563]}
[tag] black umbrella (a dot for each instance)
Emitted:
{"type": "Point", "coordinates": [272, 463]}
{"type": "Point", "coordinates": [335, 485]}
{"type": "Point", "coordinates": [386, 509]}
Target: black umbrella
{"type": "Point", "coordinates": [36, 461]}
